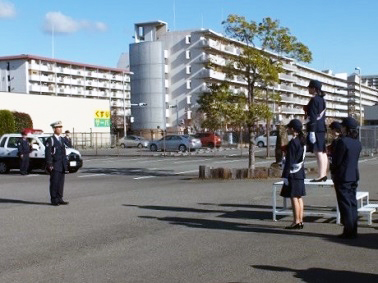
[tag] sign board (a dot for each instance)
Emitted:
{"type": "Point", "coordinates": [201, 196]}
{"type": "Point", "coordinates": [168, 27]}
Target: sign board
{"type": "Point", "coordinates": [102, 114]}
{"type": "Point", "coordinates": [99, 122]}
{"type": "Point", "coordinates": [101, 118]}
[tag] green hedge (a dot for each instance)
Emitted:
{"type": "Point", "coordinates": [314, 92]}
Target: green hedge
{"type": "Point", "coordinates": [7, 124]}
{"type": "Point", "coordinates": [22, 121]}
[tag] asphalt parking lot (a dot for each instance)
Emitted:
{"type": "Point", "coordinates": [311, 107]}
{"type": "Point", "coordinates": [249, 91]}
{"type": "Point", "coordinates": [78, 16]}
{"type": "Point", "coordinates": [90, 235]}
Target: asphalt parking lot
{"type": "Point", "coordinates": [149, 219]}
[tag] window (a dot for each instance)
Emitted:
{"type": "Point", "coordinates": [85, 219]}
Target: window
{"type": "Point", "coordinates": [12, 142]}
{"type": "Point", "coordinates": [188, 69]}
{"type": "Point", "coordinates": [188, 39]}
{"type": "Point", "coordinates": [3, 142]}
{"type": "Point", "coordinates": [187, 54]}
{"type": "Point", "coordinates": [188, 84]}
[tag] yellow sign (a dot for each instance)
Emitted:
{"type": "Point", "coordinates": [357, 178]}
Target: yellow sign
{"type": "Point", "coordinates": [102, 114]}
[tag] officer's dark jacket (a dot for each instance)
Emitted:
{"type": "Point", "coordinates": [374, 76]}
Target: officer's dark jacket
{"type": "Point", "coordinates": [294, 155]}
{"type": "Point", "coordinates": [67, 141]}
{"type": "Point", "coordinates": [315, 106]}
{"type": "Point", "coordinates": [345, 160]}
{"type": "Point", "coordinates": [23, 147]}
{"type": "Point", "coordinates": [55, 154]}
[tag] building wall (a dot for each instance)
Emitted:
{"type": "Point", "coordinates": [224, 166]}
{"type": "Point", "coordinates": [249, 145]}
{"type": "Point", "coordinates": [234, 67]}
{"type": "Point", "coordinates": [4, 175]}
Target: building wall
{"type": "Point", "coordinates": [148, 84]}
{"type": "Point", "coordinates": [76, 114]}
{"type": "Point", "coordinates": [14, 79]}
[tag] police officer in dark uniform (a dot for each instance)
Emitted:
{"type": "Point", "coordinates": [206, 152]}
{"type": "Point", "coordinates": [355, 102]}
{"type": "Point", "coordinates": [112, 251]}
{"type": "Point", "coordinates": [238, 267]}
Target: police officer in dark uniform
{"type": "Point", "coordinates": [293, 173]}
{"type": "Point", "coordinates": [56, 164]}
{"type": "Point", "coordinates": [345, 175]}
{"type": "Point", "coordinates": [24, 150]}
{"type": "Point", "coordinates": [316, 128]}
{"type": "Point", "coordinates": [67, 139]}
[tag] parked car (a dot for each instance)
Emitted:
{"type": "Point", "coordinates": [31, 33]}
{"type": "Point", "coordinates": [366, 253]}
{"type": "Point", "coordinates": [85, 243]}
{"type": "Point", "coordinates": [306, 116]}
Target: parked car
{"type": "Point", "coordinates": [132, 141]}
{"type": "Point", "coordinates": [209, 139]}
{"type": "Point", "coordinates": [9, 158]}
{"type": "Point", "coordinates": [176, 143]}
{"type": "Point", "coordinates": [262, 141]}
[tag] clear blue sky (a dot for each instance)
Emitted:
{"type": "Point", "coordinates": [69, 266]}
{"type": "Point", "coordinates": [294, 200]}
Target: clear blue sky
{"type": "Point", "coordinates": [340, 33]}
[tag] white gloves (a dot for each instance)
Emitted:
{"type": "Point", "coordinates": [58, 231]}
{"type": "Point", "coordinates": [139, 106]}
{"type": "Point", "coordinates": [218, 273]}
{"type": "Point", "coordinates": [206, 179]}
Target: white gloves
{"type": "Point", "coordinates": [285, 181]}
{"type": "Point", "coordinates": [312, 137]}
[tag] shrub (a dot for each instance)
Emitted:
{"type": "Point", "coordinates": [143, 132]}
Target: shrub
{"type": "Point", "coordinates": [7, 124]}
{"type": "Point", "coordinates": [22, 121]}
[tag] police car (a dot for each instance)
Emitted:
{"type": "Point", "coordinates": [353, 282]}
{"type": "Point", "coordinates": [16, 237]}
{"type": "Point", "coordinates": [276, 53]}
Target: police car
{"type": "Point", "coordinates": [9, 158]}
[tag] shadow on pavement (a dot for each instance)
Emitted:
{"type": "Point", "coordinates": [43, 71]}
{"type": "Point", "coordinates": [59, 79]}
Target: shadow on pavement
{"type": "Point", "coordinates": [2, 200]}
{"type": "Point", "coordinates": [128, 171]}
{"type": "Point", "coordinates": [173, 208]}
{"type": "Point", "coordinates": [313, 275]}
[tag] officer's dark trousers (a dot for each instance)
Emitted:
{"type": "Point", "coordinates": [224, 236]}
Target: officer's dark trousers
{"type": "Point", "coordinates": [24, 164]}
{"type": "Point", "coordinates": [56, 186]}
{"type": "Point", "coordinates": [346, 199]}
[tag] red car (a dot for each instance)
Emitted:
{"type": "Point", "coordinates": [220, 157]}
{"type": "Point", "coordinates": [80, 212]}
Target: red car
{"type": "Point", "coordinates": [209, 139]}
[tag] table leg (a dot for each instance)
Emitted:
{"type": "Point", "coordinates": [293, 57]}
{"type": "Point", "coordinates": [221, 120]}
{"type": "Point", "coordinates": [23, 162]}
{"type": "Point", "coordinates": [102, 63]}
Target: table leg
{"type": "Point", "coordinates": [274, 203]}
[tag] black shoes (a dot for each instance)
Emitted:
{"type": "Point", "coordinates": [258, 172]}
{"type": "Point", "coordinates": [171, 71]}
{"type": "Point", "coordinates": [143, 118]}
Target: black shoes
{"type": "Point", "coordinates": [60, 202]}
{"type": "Point", "coordinates": [296, 226]}
{"type": "Point", "coordinates": [323, 179]}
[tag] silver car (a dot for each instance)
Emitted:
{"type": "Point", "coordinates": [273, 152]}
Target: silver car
{"type": "Point", "coordinates": [132, 141]}
{"type": "Point", "coordinates": [262, 141]}
{"type": "Point", "coordinates": [176, 143]}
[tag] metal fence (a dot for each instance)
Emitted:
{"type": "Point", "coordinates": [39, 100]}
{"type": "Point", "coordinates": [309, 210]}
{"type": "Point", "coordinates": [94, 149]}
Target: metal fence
{"type": "Point", "coordinates": [369, 139]}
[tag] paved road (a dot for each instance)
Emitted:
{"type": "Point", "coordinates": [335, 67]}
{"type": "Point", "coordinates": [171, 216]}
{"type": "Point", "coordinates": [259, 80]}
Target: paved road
{"type": "Point", "coordinates": [148, 219]}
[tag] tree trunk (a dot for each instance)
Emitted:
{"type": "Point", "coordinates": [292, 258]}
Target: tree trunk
{"type": "Point", "coordinates": [251, 148]}
{"type": "Point", "coordinates": [267, 131]}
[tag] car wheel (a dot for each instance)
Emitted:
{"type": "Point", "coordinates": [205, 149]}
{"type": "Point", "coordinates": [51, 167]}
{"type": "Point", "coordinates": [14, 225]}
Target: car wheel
{"type": "Point", "coordinates": [73, 170]}
{"type": "Point", "coordinates": [153, 147]}
{"type": "Point", "coordinates": [122, 145]}
{"type": "Point", "coordinates": [182, 148]}
{"type": "Point", "coordinates": [260, 144]}
{"type": "Point", "coordinates": [211, 145]}
{"type": "Point", "coordinates": [3, 168]}
{"type": "Point", "coordinates": [139, 145]}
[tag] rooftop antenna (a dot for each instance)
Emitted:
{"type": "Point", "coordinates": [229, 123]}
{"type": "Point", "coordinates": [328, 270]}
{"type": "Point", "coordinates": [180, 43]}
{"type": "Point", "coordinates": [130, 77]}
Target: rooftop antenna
{"type": "Point", "coordinates": [174, 15]}
{"type": "Point", "coordinates": [52, 40]}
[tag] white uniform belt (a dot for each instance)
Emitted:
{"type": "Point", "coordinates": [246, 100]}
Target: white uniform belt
{"type": "Point", "coordinates": [297, 166]}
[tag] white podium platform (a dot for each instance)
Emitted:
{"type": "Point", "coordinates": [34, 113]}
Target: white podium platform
{"type": "Point", "coordinates": [309, 186]}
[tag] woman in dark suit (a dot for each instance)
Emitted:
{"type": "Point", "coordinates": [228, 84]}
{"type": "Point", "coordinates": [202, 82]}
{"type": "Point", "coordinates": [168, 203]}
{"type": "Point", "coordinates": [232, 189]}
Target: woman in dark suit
{"type": "Point", "coordinates": [345, 175]}
{"type": "Point", "coordinates": [293, 173]}
{"type": "Point", "coordinates": [316, 128]}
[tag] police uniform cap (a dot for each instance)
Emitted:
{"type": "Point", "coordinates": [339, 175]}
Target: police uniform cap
{"type": "Point", "coordinates": [315, 84]}
{"type": "Point", "coordinates": [67, 132]}
{"type": "Point", "coordinates": [295, 124]}
{"type": "Point", "coordinates": [56, 124]}
{"type": "Point", "coordinates": [349, 123]}
{"type": "Point", "coordinates": [335, 126]}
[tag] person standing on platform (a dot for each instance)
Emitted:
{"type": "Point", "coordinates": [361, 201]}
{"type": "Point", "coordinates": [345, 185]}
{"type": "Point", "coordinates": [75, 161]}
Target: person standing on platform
{"type": "Point", "coordinates": [24, 150]}
{"type": "Point", "coordinates": [316, 128]}
{"type": "Point", "coordinates": [293, 173]}
{"type": "Point", "coordinates": [345, 175]}
{"type": "Point", "coordinates": [56, 164]}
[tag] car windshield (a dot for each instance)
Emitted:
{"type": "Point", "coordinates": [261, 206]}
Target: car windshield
{"type": "Point", "coordinates": [43, 139]}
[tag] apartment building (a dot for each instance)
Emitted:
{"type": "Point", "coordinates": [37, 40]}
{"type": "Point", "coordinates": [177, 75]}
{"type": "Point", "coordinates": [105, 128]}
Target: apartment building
{"type": "Point", "coordinates": [48, 76]}
{"type": "Point", "coordinates": [371, 80]}
{"type": "Point", "coordinates": [171, 70]}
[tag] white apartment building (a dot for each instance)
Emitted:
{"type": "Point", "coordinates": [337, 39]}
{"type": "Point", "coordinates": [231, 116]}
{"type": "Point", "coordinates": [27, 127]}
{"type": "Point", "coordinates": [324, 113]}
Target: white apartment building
{"type": "Point", "coordinates": [171, 71]}
{"type": "Point", "coordinates": [48, 76]}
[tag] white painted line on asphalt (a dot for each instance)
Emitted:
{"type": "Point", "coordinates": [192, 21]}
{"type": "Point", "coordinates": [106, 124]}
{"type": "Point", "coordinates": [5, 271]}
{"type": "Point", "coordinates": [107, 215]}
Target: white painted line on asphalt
{"type": "Point", "coordinates": [144, 177]}
{"type": "Point", "coordinates": [98, 159]}
{"type": "Point", "coordinates": [366, 160]}
{"type": "Point", "coordinates": [193, 160]}
{"type": "Point", "coordinates": [184, 172]}
{"type": "Point", "coordinates": [92, 175]}
{"type": "Point", "coordinates": [159, 160]}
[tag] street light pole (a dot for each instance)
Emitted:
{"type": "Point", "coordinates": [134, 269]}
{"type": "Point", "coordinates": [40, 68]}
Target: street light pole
{"type": "Point", "coordinates": [359, 75]}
